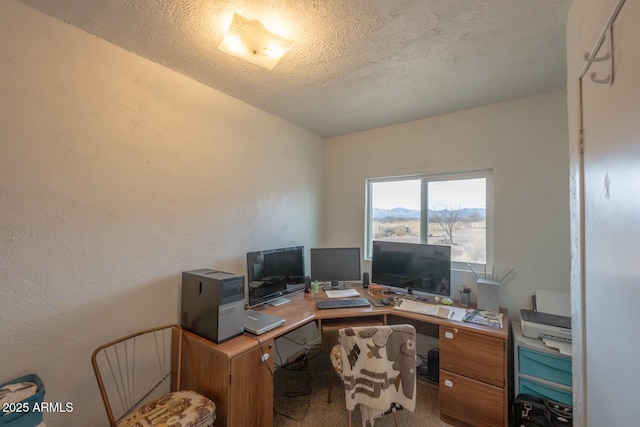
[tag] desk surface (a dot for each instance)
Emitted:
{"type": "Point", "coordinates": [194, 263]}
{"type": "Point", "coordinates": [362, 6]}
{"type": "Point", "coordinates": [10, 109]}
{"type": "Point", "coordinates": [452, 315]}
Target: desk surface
{"type": "Point", "coordinates": [473, 366]}
{"type": "Point", "coordinates": [302, 309]}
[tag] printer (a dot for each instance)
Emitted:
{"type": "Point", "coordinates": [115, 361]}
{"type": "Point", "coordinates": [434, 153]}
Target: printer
{"type": "Point", "coordinates": [549, 317]}
{"type": "Point", "coordinates": [536, 324]}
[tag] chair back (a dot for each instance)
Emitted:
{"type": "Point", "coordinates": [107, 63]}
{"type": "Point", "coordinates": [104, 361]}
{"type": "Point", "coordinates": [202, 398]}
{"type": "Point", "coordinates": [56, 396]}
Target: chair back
{"type": "Point", "coordinates": [140, 367]}
{"type": "Point", "coordinates": [379, 366]}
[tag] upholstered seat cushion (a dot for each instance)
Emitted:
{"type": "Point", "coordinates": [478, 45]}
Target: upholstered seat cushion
{"type": "Point", "coordinates": [336, 361]}
{"type": "Point", "coordinates": [179, 409]}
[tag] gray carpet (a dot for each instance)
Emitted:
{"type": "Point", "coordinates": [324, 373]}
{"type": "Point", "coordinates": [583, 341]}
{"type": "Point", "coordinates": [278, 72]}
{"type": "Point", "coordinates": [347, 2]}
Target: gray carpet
{"type": "Point", "coordinates": [300, 399]}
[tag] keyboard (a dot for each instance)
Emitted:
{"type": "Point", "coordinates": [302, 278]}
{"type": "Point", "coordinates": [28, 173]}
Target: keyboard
{"type": "Point", "coordinates": [343, 303]}
{"type": "Point", "coordinates": [418, 307]}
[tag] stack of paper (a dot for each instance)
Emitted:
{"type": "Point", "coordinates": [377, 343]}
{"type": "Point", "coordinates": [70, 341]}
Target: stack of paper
{"type": "Point", "coordinates": [552, 302]}
{"type": "Point", "coordinates": [563, 346]}
{"type": "Point", "coordinates": [558, 303]}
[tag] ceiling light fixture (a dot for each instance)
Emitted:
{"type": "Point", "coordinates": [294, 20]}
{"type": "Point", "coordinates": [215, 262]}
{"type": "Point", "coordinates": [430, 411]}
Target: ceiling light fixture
{"type": "Point", "coordinates": [250, 40]}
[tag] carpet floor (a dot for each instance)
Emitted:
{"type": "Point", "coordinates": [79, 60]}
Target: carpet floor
{"type": "Point", "coordinates": [301, 391]}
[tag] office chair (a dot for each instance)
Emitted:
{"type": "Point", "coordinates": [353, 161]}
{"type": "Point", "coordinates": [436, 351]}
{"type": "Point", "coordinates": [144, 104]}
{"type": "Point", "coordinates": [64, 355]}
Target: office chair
{"type": "Point", "coordinates": [139, 379]}
{"type": "Point", "coordinates": [330, 339]}
{"type": "Point", "coordinates": [377, 365]}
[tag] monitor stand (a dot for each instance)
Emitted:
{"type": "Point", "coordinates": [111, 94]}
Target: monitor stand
{"type": "Point", "coordinates": [279, 301]}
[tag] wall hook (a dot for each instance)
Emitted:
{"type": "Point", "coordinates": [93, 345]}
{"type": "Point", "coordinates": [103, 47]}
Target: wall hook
{"type": "Point", "coordinates": [606, 80]}
{"type": "Point", "coordinates": [605, 35]}
{"type": "Point", "coordinates": [587, 57]}
{"type": "Point", "coordinates": [590, 58]}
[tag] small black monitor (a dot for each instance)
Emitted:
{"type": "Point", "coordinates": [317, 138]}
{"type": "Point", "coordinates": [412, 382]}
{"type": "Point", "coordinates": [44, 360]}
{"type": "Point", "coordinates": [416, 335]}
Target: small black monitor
{"type": "Point", "coordinates": [273, 273]}
{"type": "Point", "coordinates": [412, 266]}
{"type": "Point", "coordinates": [335, 264]}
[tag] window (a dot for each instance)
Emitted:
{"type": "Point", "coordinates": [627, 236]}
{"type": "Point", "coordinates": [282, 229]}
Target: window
{"type": "Point", "coordinates": [451, 209]}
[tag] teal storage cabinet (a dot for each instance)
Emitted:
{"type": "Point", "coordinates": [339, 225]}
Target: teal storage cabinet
{"type": "Point", "coordinates": [528, 386]}
{"type": "Point", "coordinates": [539, 370]}
{"type": "Point", "coordinates": [545, 366]}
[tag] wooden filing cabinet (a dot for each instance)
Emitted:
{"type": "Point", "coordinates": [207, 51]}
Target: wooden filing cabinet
{"type": "Point", "coordinates": [240, 384]}
{"type": "Point", "coordinates": [473, 378]}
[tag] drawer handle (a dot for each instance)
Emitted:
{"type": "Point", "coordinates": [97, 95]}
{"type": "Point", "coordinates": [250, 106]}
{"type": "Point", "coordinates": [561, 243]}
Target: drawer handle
{"type": "Point", "coordinates": [448, 383]}
{"type": "Point", "coordinates": [448, 335]}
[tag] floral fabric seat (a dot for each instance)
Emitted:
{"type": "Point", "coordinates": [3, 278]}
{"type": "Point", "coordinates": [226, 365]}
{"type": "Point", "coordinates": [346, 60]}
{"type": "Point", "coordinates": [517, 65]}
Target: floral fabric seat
{"type": "Point", "coordinates": [178, 409]}
{"type": "Point", "coordinates": [139, 377]}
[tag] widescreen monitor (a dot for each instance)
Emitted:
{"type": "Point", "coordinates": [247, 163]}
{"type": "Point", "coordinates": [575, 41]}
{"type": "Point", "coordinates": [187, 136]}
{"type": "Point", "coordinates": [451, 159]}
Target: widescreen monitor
{"type": "Point", "coordinates": [335, 264]}
{"type": "Point", "coordinates": [414, 267]}
{"type": "Point", "coordinates": [273, 273]}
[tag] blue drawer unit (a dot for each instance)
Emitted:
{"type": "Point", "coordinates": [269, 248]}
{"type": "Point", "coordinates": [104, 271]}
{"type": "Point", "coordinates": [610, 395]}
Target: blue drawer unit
{"type": "Point", "coordinates": [540, 370]}
{"type": "Point", "coordinates": [545, 366]}
{"type": "Point", "coordinates": [541, 390]}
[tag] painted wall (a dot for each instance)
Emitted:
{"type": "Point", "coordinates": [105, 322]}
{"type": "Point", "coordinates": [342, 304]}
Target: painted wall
{"type": "Point", "coordinates": [523, 141]}
{"type": "Point", "coordinates": [116, 175]}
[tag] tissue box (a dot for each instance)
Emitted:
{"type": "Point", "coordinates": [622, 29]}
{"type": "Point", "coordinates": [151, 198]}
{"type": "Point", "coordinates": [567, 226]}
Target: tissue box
{"type": "Point", "coordinates": [21, 414]}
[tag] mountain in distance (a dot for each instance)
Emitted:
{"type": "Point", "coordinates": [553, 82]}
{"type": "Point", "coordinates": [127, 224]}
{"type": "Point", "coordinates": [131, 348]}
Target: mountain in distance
{"type": "Point", "coordinates": [405, 213]}
{"type": "Point", "coordinates": [396, 213]}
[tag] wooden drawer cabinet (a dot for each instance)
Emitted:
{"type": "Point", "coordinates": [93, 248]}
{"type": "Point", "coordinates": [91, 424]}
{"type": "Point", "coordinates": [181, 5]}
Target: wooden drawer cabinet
{"type": "Point", "coordinates": [240, 385]}
{"type": "Point", "coordinates": [473, 377]}
{"type": "Point", "coordinates": [473, 355]}
{"type": "Point", "coordinates": [470, 401]}
{"type": "Point", "coordinates": [251, 389]}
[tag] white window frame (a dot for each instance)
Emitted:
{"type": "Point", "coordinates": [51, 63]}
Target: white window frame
{"type": "Point", "coordinates": [426, 178]}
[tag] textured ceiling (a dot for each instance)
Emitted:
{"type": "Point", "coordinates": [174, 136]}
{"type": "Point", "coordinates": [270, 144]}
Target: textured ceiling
{"type": "Point", "coordinates": [355, 64]}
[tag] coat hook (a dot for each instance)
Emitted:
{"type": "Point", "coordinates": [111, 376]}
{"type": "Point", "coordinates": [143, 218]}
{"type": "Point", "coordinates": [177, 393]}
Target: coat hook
{"type": "Point", "coordinates": [606, 80]}
{"type": "Point", "coordinates": [588, 58]}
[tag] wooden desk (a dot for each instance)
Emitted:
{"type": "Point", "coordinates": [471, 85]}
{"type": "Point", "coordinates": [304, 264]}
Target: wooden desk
{"type": "Point", "coordinates": [473, 364]}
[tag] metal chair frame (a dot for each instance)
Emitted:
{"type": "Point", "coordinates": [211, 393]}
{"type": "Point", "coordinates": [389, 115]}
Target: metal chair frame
{"type": "Point", "coordinates": [120, 355]}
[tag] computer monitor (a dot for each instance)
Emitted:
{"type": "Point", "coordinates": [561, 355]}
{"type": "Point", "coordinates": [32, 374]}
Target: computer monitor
{"type": "Point", "coordinates": [273, 273]}
{"type": "Point", "coordinates": [415, 267]}
{"type": "Point", "coordinates": [335, 264]}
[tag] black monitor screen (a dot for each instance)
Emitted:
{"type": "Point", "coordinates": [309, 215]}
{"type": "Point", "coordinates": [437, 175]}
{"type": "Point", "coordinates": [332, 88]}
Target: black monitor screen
{"type": "Point", "coordinates": [273, 273]}
{"type": "Point", "coordinates": [412, 266]}
{"type": "Point", "coordinates": [335, 264]}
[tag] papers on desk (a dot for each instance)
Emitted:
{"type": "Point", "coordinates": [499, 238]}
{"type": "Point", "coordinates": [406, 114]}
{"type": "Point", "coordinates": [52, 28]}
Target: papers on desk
{"type": "Point", "coordinates": [420, 307]}
{"type": "Point", "coordinates": [453, 313]}
{"type": "Point", "coordinates": [482, 317]}
{"type": "Point", "coordinates": [457, 313]}
{"type": "Point", "coordinates": [342, 293]}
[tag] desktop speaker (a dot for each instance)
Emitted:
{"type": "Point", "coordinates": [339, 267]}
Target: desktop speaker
{"type": "Point", "coordinates": [307, 285]}
{"type": "Point", "coordinates": [365, 280]}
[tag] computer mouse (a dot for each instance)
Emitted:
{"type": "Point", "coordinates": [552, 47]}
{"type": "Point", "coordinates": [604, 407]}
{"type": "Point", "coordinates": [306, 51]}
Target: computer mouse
{"type": "Point", "coordinates": [385, 301]}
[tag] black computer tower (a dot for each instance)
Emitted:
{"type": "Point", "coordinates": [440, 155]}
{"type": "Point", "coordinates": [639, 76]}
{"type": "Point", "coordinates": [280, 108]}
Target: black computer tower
{"type": "Point", "coordinates": [433, 364]}
{"type": "Point", "coordinates": [213, 304]}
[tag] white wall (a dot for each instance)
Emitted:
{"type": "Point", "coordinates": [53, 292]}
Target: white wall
{"type": "Point", "coordinates": [523, 141]}
{"type": "Point", "coordinates": [116, 175]}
